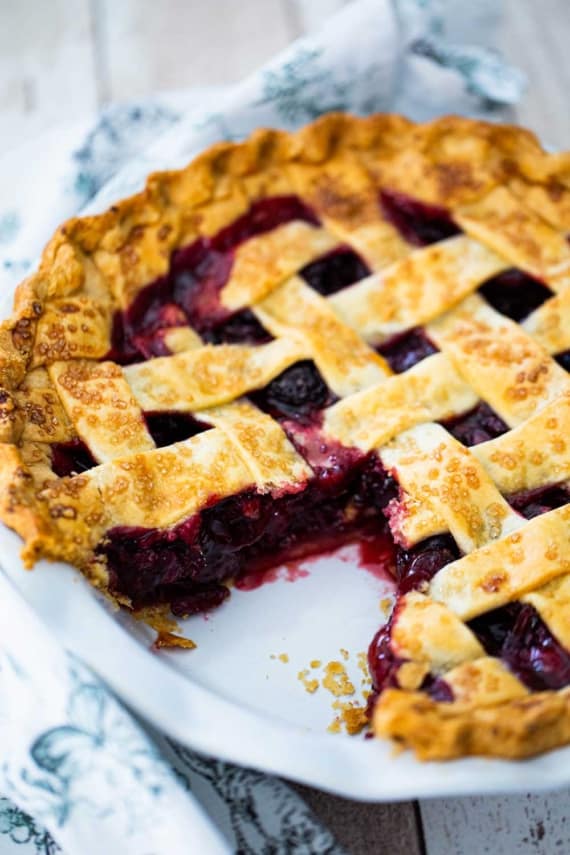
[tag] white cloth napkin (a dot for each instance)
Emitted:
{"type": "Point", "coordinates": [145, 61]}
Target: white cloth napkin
{"type": "Point", "coordinates": [75, 765]}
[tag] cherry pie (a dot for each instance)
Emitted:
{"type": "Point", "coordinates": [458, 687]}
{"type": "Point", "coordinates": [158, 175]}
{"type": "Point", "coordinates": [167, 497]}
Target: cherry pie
{"type": "Point", "coordinates": [359, 329]}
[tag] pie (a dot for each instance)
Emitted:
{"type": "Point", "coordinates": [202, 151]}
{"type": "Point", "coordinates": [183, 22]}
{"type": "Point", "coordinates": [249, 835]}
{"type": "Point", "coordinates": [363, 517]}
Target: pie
{"type": "Point", "coordinates": [357, 331]}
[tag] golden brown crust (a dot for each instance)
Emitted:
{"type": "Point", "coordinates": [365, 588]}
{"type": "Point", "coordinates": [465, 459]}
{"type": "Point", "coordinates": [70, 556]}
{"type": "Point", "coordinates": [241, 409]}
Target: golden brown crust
{"type": "Point", "coordinates": [516, 729]}
{"type": "Point", "coordinates": [512, 200]}
{"type": "Point", "coordinates": [455, 160]}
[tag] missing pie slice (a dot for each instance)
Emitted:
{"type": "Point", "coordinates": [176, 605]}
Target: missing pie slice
{"type": "Point", "coordinates": [303, 339]}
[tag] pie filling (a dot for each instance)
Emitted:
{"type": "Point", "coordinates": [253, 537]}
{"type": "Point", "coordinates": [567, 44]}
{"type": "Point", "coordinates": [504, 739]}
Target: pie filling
{"type": "Point", "coordinates": [190, 291]}
{"type": "Point", "coordinates": [515, 633]}
{"type": "Point", "coordinates": [188, 566]}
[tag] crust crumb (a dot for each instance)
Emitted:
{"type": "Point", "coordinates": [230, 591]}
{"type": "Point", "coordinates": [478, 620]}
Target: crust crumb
{"type": "Point", "coordinates": [351, 716]}
{"type": "Point", "coordinates": [310, 683]}
{"type": "Point", "coordinates": [158, 618]}
{"type": "Point", "coordinates": [362, 662]}
{"type": "Point", "coordinates": [335, 726]}
{"type": "Point", "coordinates": [336, 680]}
{"type": "Point", "coordinates": [170, 640]}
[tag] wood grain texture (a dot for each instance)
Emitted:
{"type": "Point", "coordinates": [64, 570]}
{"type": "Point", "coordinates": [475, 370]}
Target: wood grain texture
{"type": "Point", "coordinates": [47, 66]}
{"type": "Point", "coordinates": [535, 36]}
{"type": "Point", "coordinates": [148, 46]}
{"type": "Point", "coordinates": [368, 829]}
{"type": "Point", "coordinates": [498, 825]}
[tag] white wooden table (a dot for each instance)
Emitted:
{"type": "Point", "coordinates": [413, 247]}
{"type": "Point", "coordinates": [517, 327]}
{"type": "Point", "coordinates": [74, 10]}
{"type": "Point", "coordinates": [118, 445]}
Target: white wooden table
{"type": "Point", "coordinates": [65, 58]}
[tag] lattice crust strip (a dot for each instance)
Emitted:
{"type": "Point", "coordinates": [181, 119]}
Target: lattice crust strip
{"type": "Point", "coordinates": [512, 202]}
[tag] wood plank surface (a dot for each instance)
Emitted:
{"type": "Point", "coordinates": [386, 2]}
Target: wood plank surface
{"type": "Point", "coordinates": [47, 66]}
{"type": "Point", "coordinates": [148, 46]}
{"type": "Point", "coordinates": [369, 829]}
{"type": "Point", "coordinates": [535, 36]}
{"type": "Point", "coordinates": [498, 825]}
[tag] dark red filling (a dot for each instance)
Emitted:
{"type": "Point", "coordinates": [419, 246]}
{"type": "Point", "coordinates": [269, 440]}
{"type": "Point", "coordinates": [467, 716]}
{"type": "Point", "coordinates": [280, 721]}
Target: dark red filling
{"type": "Point", "coordinates": [384, 665]}
{"type": "Point", "coordinates": [563, 359]}
{"type": "Point", "coordinates": [243, 533]}
{"type": "Point", "coordinates": [138, 333]}
{"type": "Point", "coordinates": [533, 503]}
{"type": "Point", "coordinates": [71, 458]}
{"type": "Point", "coordinates": [298, 393]}
{"type": "Point", "coordinates": [416, 567]}
{"type": "Point", "coordinates": [168, 428]}
{"type": "Point", "coordinates": [334, 271]}
{"type": "Point", "coordinates": [478, 425]}
{"type": "Point", "coordinates": [515, 294]}
{"type": "Point", "coordinates": [404, 351]}
{"type": "Point", "coordinates": [517, 635]}
{"type": "Point", "coordinates": [514, 633]}
{"type": "Point", "coordinates": [241, 328]}
{"type": "Point", "coordinates": [418, 223]}
{"type": "Point", "coordinates": [189, 292]}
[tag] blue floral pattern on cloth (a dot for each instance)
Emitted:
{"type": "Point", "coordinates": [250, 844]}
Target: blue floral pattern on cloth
{"type": "Point", "coordinates": [85, 762]}
{"type": "Point", "coordinates": [81, 763]}
{"type": "Point", "coordinates": [121, 133]}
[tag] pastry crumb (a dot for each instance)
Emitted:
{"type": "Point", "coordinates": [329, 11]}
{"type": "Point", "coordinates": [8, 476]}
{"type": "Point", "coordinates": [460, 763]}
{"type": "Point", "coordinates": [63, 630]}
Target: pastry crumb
{"type": "Point", "coordinates": [344, 653]}
{"type": "Point", "coordinates": [351, 717]}
{"type": "Point", "coordinates": [336, 680]}
{"type": "Point", "coordinates": [386, 605]}
{"type": "Point", "coordinates": [335, 726]}
{"type": "Point", "coordinates": [311, 685]}
{"type": "Point", "coordinates": [362, 662]}
{"type": "Point", "coordinates": [283, 657]}
{"type": "Point", "coordinates": [169, 640]}
{"type": "Point", "coordinates": [157, 618]}
{"type": "Point", "coordinates": [315, 663]}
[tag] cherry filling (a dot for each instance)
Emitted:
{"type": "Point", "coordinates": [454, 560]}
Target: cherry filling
{"type": "Point", "coordinates": [563, 359]}
{"type": "Point", "coordinates": [517, 635]}
{"type": "Point", "coordinates": [533, 503]}
{"type": "Point", "coordinates": [404, 351]}
{"type": "Point", "coordinates": [242, 328]}
{"type": "Point", "coordinates": [419, 223]}
{"type": "Point", "coordinates": [71, 458]}
{"type": "Point", "coordinates": [168, 428]}
{"type": "Point", "coordinates": [298, 393]}
{"type": "Point", "coordinates": [478, 425]}
{"type": "Point", "coordinates": [334, 271]}
{"type": "Point", "coordinates": [138, 333]}
{"type": "Point", "coordinates": [416, 567]}
{"type": "Point", "coordinates": [414, 570]}
{"type": "Point", "coordinates": [189, 292]}
{"type": "Point", "coordinates": [515, 294]}
{"type": "Point", "coordinates": [186, 565]}
{"type": "Point", "coordinates": [384, 664]}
